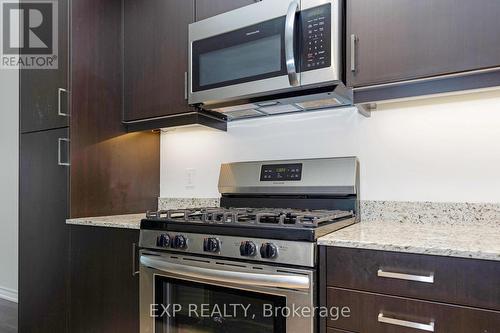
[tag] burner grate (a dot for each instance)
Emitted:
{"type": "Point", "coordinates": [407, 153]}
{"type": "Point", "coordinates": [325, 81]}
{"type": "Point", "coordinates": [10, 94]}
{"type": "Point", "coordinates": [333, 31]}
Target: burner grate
{"type": "Point", "coordinates": [252, 216]}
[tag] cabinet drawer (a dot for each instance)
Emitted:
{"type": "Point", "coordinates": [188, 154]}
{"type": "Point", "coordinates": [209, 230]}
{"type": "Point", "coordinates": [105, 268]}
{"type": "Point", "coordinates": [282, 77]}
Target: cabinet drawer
{"type": "Point", "coordinates": [374, 313]}
{"type": "Point", "coordinates": [444, 279]}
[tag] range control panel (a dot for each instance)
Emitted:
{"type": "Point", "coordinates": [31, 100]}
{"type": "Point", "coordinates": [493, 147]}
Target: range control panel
{"type": "Point", "coordinates": [276, 251]}
{"type": "Point", "coordinates": [280, 172]}
{"type": "Point", "coordinates": [316, 38]}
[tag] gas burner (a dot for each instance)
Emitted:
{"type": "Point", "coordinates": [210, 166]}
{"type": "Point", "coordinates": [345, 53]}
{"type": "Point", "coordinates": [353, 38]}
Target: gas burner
{"type": "Point", "coordinates": [251, 216]}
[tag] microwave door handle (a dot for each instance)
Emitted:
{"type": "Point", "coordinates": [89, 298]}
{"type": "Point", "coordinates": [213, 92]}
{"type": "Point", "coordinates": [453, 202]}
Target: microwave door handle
{"type": "Point", "coordinates": [289, 39]}
{"type": "Point", "coordinates": [235, 277]}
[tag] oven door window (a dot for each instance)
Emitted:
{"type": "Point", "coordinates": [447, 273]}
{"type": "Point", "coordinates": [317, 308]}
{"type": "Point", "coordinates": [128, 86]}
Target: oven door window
{"type": "Point", "coordinates": [202, 308]}
{"type": "Point", "coordinates": [250, 54]}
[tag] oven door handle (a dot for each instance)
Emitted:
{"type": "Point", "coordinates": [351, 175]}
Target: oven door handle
{"type": "Point", "coordinates": [240, 278]}
{"type": "Point", "coordinates": [289, 39]}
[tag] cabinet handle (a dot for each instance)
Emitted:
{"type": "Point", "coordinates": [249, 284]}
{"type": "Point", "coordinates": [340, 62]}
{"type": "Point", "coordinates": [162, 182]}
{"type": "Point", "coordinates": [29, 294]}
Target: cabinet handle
{"type": "Point", "coordinates": [60, 91]}
{"type": "Point", "coordinates": [397, 322]}
{"type": "Point", "coordinates": [134, 260]}
{"type": "Point", "coordinates": [410, 277]}
{"type": "Point", "coordinates": [59, 154]}
{"type": "Point", "coordinates": [185, 85]}
{"type": "Point", "coordinates": [354, 40]}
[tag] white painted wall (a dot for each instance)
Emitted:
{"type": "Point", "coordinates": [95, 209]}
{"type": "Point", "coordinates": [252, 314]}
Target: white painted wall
{"type": "Point", "coordinates": [9, 151]}
{"type": "Point", "coordinates": [444, 149]}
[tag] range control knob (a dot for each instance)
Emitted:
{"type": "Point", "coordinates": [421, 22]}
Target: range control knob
{"type": "Point", "coordinates": [179, 242]}
{"type": "Point", "coordinates": [163, 240]}
{"type": "Point", "coordinates": [211, 245]}
{"type": "Point", "coordinates": [268, 251]}
{"type": "Point", "coordinates": [248, 249]}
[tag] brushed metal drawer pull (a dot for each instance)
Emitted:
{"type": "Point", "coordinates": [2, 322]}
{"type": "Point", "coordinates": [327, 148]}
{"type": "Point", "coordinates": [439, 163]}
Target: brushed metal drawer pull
{"type": "Point", "coordinates": [59, 153]}
{"type": "Point", "coordinates": [135, 271]}
{"type": "Point", "coordinates": [186, 89]}
{"type": "Point", "coordinates": [391, 321]}
{"type": "Point", "coordinates": [61, 91]}
{"type": "Point", "coordinates": [410, 277]}
{"type": "Point", "coordinates": [354, 41]}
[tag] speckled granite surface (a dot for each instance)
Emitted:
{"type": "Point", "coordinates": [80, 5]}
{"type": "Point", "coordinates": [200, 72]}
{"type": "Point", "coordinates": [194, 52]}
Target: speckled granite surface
{"type": "Point", "coordinates": [396, 211]}
{"type": "Point", "coordinates": [448, 229]}
{"type": "Point", "coordinates": [479, 241]}
{"type": "Point", "coordinates": [133, 221]}
{"type": "Point", "coordinates": [129, 221]}
{"type": "Point", "coordinates": [431, 212]}
{"type": "Point", "coordinates": [180, 203]}
{"type": "Point", "coordinates": [467, 230]}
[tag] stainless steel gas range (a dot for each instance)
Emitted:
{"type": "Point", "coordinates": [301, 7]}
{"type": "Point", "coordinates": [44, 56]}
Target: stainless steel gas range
{"type": "Point", "coordinates": [249, 265]}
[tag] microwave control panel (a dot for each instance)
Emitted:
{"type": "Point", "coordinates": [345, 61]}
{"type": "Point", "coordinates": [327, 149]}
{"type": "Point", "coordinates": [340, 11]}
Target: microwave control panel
{"type": "Point", "coordinates": [316, 37]}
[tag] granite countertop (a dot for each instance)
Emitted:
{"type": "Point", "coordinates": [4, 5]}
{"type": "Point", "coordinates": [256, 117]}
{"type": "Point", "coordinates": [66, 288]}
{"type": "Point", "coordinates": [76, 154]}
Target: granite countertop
{"type": "Point", "coordinates": [133, 221]}
{"type": "Point", "coordinates": [129, 221]}
{"type": "Point", "coordinates": [479, 241]}
{"type": "Point", "coordinates": [447, 229]}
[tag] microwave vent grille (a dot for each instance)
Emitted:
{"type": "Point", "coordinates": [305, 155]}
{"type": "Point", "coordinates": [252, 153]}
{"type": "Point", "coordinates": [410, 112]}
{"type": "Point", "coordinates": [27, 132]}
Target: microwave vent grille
{"type": "Point", "coordinates": [237, 114]}
{"type": "Point", "coordinates": [279, 108]}
{"type": "Point", "coordinates": [320, 104]}
{"type": "Point", "coordinates": [235, 108]}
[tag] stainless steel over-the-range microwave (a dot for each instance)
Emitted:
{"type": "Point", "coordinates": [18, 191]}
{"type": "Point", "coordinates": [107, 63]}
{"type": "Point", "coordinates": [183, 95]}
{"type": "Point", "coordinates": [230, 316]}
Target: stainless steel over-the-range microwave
{"type": "Point", "coordinates": [274, 56]}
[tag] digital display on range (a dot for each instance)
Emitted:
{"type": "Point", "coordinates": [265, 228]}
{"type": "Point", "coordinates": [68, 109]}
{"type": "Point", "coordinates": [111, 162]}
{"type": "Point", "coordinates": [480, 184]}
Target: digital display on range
{"type": "Point", "coordinates": [277, 172]}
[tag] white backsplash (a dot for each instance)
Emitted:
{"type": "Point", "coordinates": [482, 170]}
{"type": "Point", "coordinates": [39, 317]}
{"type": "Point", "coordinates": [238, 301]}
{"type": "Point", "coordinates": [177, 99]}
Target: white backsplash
{"type": "Point", "coordinates": [443, 149]}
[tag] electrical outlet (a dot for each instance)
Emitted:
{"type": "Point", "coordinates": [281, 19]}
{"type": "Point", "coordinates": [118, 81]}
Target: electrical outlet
{"type": "Point", "coordinates": [190, 179]}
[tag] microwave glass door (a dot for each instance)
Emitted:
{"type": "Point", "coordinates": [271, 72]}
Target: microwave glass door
{"type": "Point", "coordinates": [250, 54]}
{"type": "Point", "coordinates": [195, 303]}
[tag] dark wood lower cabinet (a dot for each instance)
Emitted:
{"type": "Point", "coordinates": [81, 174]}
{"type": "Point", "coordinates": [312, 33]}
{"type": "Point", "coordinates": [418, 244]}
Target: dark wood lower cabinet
{"type": "Point", "coordinates": [454, 280]}
{"type": "Point", "coordinates": [104, 295]}
{"type": "Point", "coordinates": [375, 313]}
{"type": "Point", "coordinates": [43, 233]}
{"type": "Point", "coordinates": [394, 292]}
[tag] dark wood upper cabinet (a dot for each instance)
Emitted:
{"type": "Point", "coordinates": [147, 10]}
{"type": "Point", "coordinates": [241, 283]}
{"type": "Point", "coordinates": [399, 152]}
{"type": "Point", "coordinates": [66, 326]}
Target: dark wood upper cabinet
{"type": "Point", "coordinates": [208, 8]}
{"type": "Point", "coordinates": [399, 40]}
{"type": "Point", "coordinates": [156, 44]}
{"type": "Point", "coordinates": [43, 233]}
{"type": "Point", "coordinates": [156, 66]}
{"type": "Point", "coordinates": [41, 100]}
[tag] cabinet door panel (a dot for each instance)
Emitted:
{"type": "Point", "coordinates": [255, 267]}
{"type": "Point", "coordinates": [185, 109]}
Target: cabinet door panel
{"type": "Point", "coordinates": [405, 39]}
{"type": "Point", "coordinates": [43, 234]}
{"type": "Point", "coordinates": [104, 294]}
{"type": "Point", "coordinates": [112, 172]}
{"type": "Point", "coordinates": [208, 8]}
{"type": "Point", "coordinates": [38, 96]}
{"type": "Point", "coordinates": [156, 43]}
